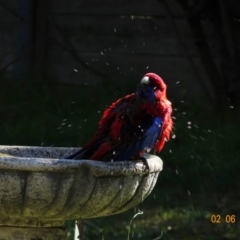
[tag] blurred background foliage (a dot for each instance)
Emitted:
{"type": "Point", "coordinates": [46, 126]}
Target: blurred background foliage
{"type": "Point", "coordinates": [51, 96]}
{"type": "Point", "coordinates": [201, 164]}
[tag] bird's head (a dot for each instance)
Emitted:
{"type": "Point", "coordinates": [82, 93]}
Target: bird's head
{"type": "Point", "coordinates": [152, 88]}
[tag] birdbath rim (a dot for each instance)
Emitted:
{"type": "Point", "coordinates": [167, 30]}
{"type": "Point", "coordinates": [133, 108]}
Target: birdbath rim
{"type": "Point", "coordinates": [41, 188]}
{"type": "Point", "coordinates": [100, 168]}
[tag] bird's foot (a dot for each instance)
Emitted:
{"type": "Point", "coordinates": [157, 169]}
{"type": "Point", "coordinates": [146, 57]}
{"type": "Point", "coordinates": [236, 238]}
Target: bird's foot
{"type": "Point", "coordinates": [144, 160]}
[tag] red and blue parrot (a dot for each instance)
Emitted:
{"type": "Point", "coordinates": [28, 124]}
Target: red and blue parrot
{"type": "Point", "coordinates": [132, 125]}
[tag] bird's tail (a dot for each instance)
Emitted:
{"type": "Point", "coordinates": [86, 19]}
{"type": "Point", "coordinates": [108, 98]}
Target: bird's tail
{"type": "Point", "coordinates": [88, 151]}
{"type": "Point", "coordinates": [75, 155]}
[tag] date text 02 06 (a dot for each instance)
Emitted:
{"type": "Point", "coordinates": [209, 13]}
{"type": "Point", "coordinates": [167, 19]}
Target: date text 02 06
{"type": "Point", "coordinates": [227, 219]}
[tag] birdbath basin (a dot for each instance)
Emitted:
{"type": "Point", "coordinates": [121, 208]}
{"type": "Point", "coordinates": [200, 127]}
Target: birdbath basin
{"type": "Point", "coordinates": [40, 190]}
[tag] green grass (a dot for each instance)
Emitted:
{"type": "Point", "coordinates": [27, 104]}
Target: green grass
{"type": "Point", "coordinates": [170, 223]}
{"type": "Point", "coordinates": [201, 165]}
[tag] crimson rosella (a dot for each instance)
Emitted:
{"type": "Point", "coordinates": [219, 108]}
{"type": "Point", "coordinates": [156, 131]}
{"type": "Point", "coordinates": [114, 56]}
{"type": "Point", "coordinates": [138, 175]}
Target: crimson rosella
{"type": "Point", "coordinates": [132, 125]}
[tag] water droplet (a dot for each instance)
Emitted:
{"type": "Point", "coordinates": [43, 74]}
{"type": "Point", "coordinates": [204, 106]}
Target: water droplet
{"type": "Point", "coordinates": [75, 70]}
{"type": "Point", "coordinates": [189, 123]}
{"type": "Point", "coordinates": [193, 137]}
{"type": "Point", "coordinates": [115, 30]}
{"type": "Point", "coordinates": [189, 193]}
{"type": "Point", "coordinates": [63, 123]}
{"type": "Point", "coordinates": [170, 150]}
{"type": "Point", "coordinates": [176, 171]}
{"type": "Point", "coordinates": [69, 125]}
{"type": "Point", "coordinates": [114, 152]}
{"type": "Point", "coordinates": [107, 64]}
{"type": "Point", "coordinates": [231, 106]}
{"type": "Point", "coordinates": [102, 53]}
{"type": "Point", "coordinates": [147, 67]}
{"type": "Point", "coordinates": [177, 82]}
{"type": "Point", "coordinates": [120, 187]}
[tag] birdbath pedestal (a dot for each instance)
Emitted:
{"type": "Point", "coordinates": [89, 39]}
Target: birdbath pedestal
{"type": "Point", "coordinates": [40, 190]}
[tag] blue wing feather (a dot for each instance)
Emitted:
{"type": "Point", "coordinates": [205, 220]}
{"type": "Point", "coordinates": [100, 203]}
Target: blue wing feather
{"type": "Point", "coordinates": [135, 139]}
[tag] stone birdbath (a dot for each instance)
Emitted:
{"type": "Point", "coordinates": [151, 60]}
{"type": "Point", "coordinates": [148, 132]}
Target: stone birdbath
{"type": "Point", "coordinates": [40, 190]}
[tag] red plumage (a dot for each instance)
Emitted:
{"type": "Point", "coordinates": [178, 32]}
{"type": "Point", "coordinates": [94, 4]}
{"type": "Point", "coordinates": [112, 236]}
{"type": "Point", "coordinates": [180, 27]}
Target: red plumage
{"type": "Point", "coordinates": [133, 124]}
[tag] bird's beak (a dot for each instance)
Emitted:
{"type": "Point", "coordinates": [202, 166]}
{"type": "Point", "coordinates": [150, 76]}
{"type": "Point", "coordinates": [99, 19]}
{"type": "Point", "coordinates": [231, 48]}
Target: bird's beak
{"type": "Point", "coordinates": [144, 83]}
{"type": "Point", "coordinates": [145, 80]}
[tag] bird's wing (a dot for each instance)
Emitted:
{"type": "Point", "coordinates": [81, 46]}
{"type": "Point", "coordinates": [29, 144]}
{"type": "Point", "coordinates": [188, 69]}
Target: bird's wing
{"type": "Point", "coordinates": [114, 117]}
{"type": "Point", "coordinates": [167, 125]}
{"type": "Point", "coordinates": [109, 128]}
{"type": "Point", "coordinates": [134, 139]}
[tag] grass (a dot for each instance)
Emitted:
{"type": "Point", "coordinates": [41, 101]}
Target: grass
{"type": "Point", "coordinates": [169, 223]}
{"type": "Point", "coordinates": [201, 165]}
